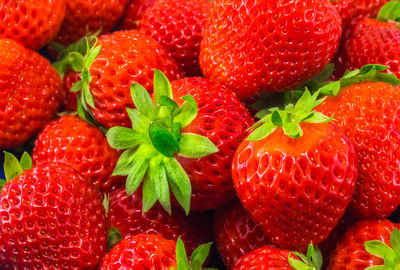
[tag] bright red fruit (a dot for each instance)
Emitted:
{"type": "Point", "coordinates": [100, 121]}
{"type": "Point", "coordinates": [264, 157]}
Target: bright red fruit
{"type": "Point", "coordinates": [70, 102]}
{"type": "Point", "coordinates": [178, 26]}
{"type": "Point", "coordinates": [368, 8]}
{"type": "Point", "coordinates": [51, 218]}
{"type": "Point", "coordinates": [134, 12]}
{"type": "Point", "coordinates": [236, 233]}
{"type": "Point", "coordinates": [32, 23]}
{"type": "Point", "coordinates": [30, 93]}
{"type": "Point", "coordinates": [346, 9]}
{"type": "Point", "coordinates": [72, 141]}
{"type": "Point", "coordinates": [268, 45]}
{"type": "Point", "coordinates": [267, 257]}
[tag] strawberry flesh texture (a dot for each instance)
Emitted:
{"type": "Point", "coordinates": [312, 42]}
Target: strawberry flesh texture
{"type": "Point", "coordinates": [134, 13]}
{"type": "Point", "coordinates": [267, 257]}
{"type": "Point", "coordinates": [70, 102]}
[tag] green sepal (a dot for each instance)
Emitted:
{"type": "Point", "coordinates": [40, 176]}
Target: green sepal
{"type": "Point", "coordinates": [87, 116]}
{"type": "Point", "coordinates": [158, 177]}
{"type": "Point", "coordinates": [123, 138]}
{"type": "Point", "coordinates": [195, 146]}
{"type": "Point", "coordinates": [142, 100]}
{"type": "Point", "coordinates": [113, 237]}
{"type": "Point", "coordinates": [148, 193]}
{"type": "Point", "coordinates": [197, 260]}
{"type": "Point", "coordinates": [182, 261]}
{"type": "Point", "coordinates": [14, 167]}
{"type": "Point", "coordinates": [163, 140]}
{"type": "Point", "coordinates": [162, 87]}
{"type": "Point", "coordinates": [26, 161]}
{"type": "Point", "coordinates": [311, 261]}
{"type": "Point", "coordinates": [188, 111]}
{"type": "Point", "coordinates": [389, 12]}
{"type": "Point", "coordinates": [136, 174]}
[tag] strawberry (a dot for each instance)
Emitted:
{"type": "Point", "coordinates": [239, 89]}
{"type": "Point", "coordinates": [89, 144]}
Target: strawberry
{"type": "Point", "coordinates": [30, 93]}
{"type": "Point", "coordinates": [368, 243]}
{"type": "Point", "coordinates": [83, 16]}
{"type": "Point", "coordinates": [134, 13]}
{"type": "Point", "coordinates": [346, 9]}
{"type": "Point", "coordinates": [72, 141]}
{"type": "Point", "coordinates": [160, 145]}
{"type": "Point", "coordinates": [70, 102]}
{"type": "Point", "coordinates": [268, 45]}
{"type": "Point", "coordinates": [368, 8]}
{"type": "Point", "coordinates": [51, 218]}
{"type": "Point", "coordinates": [32, 23]}
{"type": "Point", "coordinates": [146, 251]}
{"type": "Point", "coordinates": [178, 26]}
{"type": "Point", "coordinates": [236, 233]}
{"type": "Point", "coordinates": [295, 174]}
{"type": "Point", "coordinates": [125, 214]}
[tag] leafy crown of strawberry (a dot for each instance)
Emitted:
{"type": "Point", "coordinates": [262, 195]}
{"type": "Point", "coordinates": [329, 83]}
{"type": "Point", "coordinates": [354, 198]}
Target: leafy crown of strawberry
{"type": "Point", "coordinates": [197, 258]}
{"type": "Point", "coordinates": [311, 261]}
{"type": "Point", "coordinates": [389, 12]}
{"type": "Point", "coordinates": [14, 167]}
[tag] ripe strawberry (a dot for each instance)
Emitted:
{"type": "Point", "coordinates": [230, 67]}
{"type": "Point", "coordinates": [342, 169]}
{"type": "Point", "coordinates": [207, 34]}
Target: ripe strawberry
{"type": "Point", "coordinates": [366, 244]}
{"type": "Point", "coordinates": [30, 93]}
{"type": "Point", "coordinates": [368, 8]}
{"type": "Point", "coordinates": [70, 102]}
{"type": "Point", "coordinates": [296, 181]}
{"type": "Point", "coordinates": [346, 9]}
{"type": "Point", "coordinates": [211, 118]}
{"type": "Point", "coordinates": [72, 141]}
{"type": "Point", "coordinates": [51, 218]}
{"type": "Point", "coordinates": [236, 233]}
{"type": "Point", "coordinates": [178, 26]}
{"type": "Point", "coordinates": [146, 251]}
{"type": "Point", "coordinates": [268, 45]}
{"type": "Point", "coordinates": [125, 214]}
{"type": "Point", "coordinates": [134, 12]}
{"type": "Point", "coordinates": [83, 16]}
{"type": "Point", "coordinates": [32, 23]}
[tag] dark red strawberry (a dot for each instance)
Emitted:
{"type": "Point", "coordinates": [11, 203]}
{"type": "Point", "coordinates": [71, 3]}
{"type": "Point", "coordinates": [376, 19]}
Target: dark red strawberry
{"type": "Point", "coordinates": [32, 23]}
{"type": "Point", "coordinates": [346, 9]}
{"type": "Point", "coordinates": [70, 78]}
{"type": "Point", "coordinates": [178, 26]}
{"type": "Point", "coordinates": [368, 243]}
{"type": "Point", "coordinates": [72, 141]}
{"type": "Point", "coordinates": [268, 45]}
{"type": "Point", "coordinates": [125, 213]}
{"type": "Point", "coordinates": [134, 13]}
{"type": "Point", "coordinates": [30, 93]}
{"type": "Point", "coordinates": [236, 233]}
{"type": "Point", "coordinates": [51, 218]}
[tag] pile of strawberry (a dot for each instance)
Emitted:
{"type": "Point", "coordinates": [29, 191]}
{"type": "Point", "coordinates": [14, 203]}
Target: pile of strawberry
{"type": "Point", "coordinates": [247, 134]}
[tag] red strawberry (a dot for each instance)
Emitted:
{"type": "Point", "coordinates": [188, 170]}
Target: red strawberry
{"type": "Point", "coordinates": [146, 251]}
{"type": "Point", "coordinates": [178, 26]}
{"type": "Point", "coordinates": [83, 16]}
{"type": "Point", "coordinates": [366, 244]}
{"type": "Point", "coordinates": [368, 8]}
{"type": "Point", "coordinates": [70, 78]}
{"type": "Point", "coordinates": [346, 9]}
{"type": "Point", "coordinates": [134, 12]}
{"type": "Point", "coordinates": [30, 93]}
{"type": "Point", "coordinates": [125, 214]}
{"type": "Point", "coordinates": [296, 181]}
{"type": "Point", "coordinates": [72, 141]}
{"type": "Point", "coordinates": [268, 45]}
{"type": "Point", "coordinates": [236, 233]}
{"type": "Point", "coordinates": [33, 23]}
{"type": "Point", "coordinates": [51, 218]}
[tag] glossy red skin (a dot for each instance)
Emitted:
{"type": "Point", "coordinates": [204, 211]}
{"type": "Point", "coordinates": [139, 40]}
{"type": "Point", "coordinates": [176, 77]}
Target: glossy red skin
{"type": "Point", "coordinates": [368, 113]}
{"type": "Point", "coordinates": [223, 120]}
{"type": "Point", "coordinates": [297, 189]}
{"type": "Point", "coordinates": [82, 17]}
{"type": "Point", "coordinates": [178, 26]}
{"type": "Point", "coordinates": [125, 213]}
{"type": "Point", "coordinates": [368, 8]}
{"type": "Point", "coordinates": [350, 252]}
{"type": "Point", "coordinates": [236, 233]}
{"type": "Point", "coordinates": [268, 45]}
{"type": "Point", "coordinates": [70, 102]}
{"type": "Point", "coordinates": [30, 93]}
{"type": "Point", "coordinates": [32, 23]}
{"type": "Point", "coordinates": [134, 13]}
{"type": "Point", "coordinates": [346, 9]}
{"type": "Point", "coordinates": [266, 257]}
{"type": "Point", "coordinates": [139, 252]}
{"type": "Point", "coordinates": [126, 57]}
{"type": "Point", "coordinates": [51, 218]}
{"type": "Point", "coordinates": [73, 141]}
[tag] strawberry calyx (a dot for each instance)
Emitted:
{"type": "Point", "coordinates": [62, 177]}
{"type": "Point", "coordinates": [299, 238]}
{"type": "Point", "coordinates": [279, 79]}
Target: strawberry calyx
{"type": "Point", "coordinates": [14, 167]}
{"type": "Point", "coordinates": [311, 261]}
{"type": "Point", "coordinates": [154, 141]}
{"type": "Point", "coordinates": [289, 118]}
{"type": "Point", "coordinates": [390, 255]}
{"type": "Point", "coordinates": [113, 237]}
{"type": "Point", "coordinates": [197, 260]}
{"type": "Point", "coordinates": [389, 12]}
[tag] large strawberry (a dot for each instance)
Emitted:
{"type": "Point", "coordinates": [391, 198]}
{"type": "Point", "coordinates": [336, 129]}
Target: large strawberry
{"type": "Point", "coordinates": [190, 148]}
{"type": "Point", "coordinates": [295, 174]}
{"type": "Point", "coordinates": [72, 141]}
{"type": "Point", "coordinates": [51, 218]}
{"type": "Point", "coordinates": [236, 233]}
{"type": "Point", "coordinates": [368, 243]}
{"type": "Point", "coordinates": [146, 251]}
{"type": "Point", "coordinates": [125, 214]}
{"type": "Point", "coordinates": [346, 9]}
{"type": "Point", "coordinates": [33, 23]}
{"type": "Point", "coordinates": [178, 26]}
{"type": "Point", "coordinates": [268, 45]}
{"type": "Point", "coordinates": [30, 93]}
{"type": "Point", "coordinates": [134, 12]}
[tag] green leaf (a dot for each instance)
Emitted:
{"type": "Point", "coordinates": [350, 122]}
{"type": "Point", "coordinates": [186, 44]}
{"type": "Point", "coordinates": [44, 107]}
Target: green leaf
{"type": "Point", "coordinates": [388, 78]}
{"type": "Point", "coordinates": [276, 118]}
{"type": "Point", "coordinates": [166, 101]}
{"type": "Point", "coordinates": [125, 162]}
{"type": "Point", "coordinates": [181, 256]}
{"type": "Point", "coordinates": [318, 117]}
{"type": "Point", "coordinates": [162, 87]}
{"type": "Point", "coordinates": [158, 176]}
{"type": "Point", "coordinates": [390, 12]}
{"type": "Point", "coordinates": [113, 237]}
{"type": "Point", "coordinates": [293, 130]}
{"type": "Point", "coordinates": [87, 95]}
{"type": "Point", "coordinates": [379, 249]}
{"type": "Point", "coordinates": [304, 104]}
{"type": "Point", "coordinates": [395, 240]}
{"type": "Point", "coordinates": [123, 138]}
{"type": "Point", "coordinates": [163, 140]}
{"type": "Point", "coordinates": [140, 123]}
{"type": "Point", "coordinates": [317, 258]}
{"type": "Point", "coordinates": [376, 267]}
{"type": "Point", "coordinates": [262, 132]}
{"type": "Point", "coordinates": [2, 183]}
{"type": "Point", "coordinates": [330, 89]}
{"type": "Point", "coordinates": [136, 174]}
{"type": "Point", "coordinates": [12, 167]}
{"type": "Point", "coordinates": [188, 111]}
{"type": "Point", "coordinates": [26, 161]}
{"type": "Point", "coordinates": [176, 130]}
{"type": "Point", "coordinates": [195, 146]}
{"type": "Point", "coordinates": [296, 264]}
{"type": "Point", "coordinates": [326, 73]}
{"type": "Point", "coordinates": [199, 256]}
{"type": "Point", "coordinates": [93, 53]}
{"type": "Point", "coordinates": [76, 87]}
{"type": "Point", "coordinates": [149, 195]}
{"type": "Point", "coordinates": [142, 100]}
{"type": "Point", "coordinates": [310, 251]}
{"type": "Point", "coordinates": [106, 203]}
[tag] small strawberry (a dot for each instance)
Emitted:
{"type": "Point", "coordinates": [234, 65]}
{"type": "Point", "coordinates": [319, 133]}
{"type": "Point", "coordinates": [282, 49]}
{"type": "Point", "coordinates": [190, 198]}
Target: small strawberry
{"type": "Point", "coordinates": [32, 23]}
{"type": "Point", "coordinates": [369, 244]}
{"type": "Point", "coordinates": [134, 13]}
{"type": "Point", "coordinates": [236, 233]}
{"type": "Point", "coordinates": [72, 141]}
{"type": "Point", "coordinates": [295, 174]}
{"type": "Point", "coordinates": [178, 26]}
{"type": "Point", "coordinates": [30, 93]}
{"type": "Point", "coordinates": [268, 45]}
{"type": "Point", "coordinates": [51, 218]}
{"type": "Point", "coordinates": [146, 251]}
